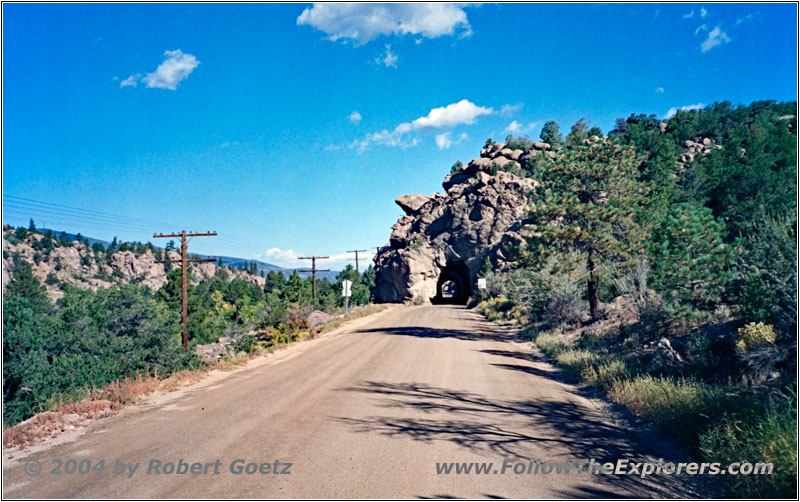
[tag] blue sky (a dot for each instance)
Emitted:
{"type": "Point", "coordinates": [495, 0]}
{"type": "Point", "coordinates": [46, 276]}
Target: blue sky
{"type": "Point", "coordinates": [290, 129]}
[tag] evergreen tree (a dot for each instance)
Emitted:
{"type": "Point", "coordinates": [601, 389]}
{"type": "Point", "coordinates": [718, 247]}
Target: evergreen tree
{"type": "Point", "coordinates": [578, 132]}
{"type": "Point", "coordinates": [552, 135]}
{"type": "Point", "coordinates": [690, 264]}
{"type": "Point", "coordinates": [587, 203]}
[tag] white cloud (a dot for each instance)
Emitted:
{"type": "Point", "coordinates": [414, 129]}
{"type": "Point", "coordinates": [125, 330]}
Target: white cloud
{"type": "Point", "coordinates": [289, 258]}
{"type": "Point", "coordinates": [509, 110]}
{"type": "Point", "coordinates": [354, 117]}
{"type": "Point", "coordinates": [282, 257]}
{"type": "Point", "coordinates": [462, 112]}
{"type": "Point", "coordinates": [361, 22]}
{"type": "Point", "coordinates": [659, 90]}
{"type": "Point", "coordinates": [742, 20]}
{"type": "Point", "coordinates": [715, 38]}
{"type": "Point", "coordinates": [388, 58]}
{"type": "Point", "coordinates": [513, 127]}
{"type": "Point", "coordinates": [176, 67]}
{"type": "Point", "coordinates": [689, 15]}
{"type": "Point", "coordinates": [703, 12]}
{"type": "Point", "coordinates": [444, 140]}
{"type": "Point", "coordinates": [517, 128]}
{"type": "Point", "coordinates": [386, 138]}
{"type": "Point", "coordinates": [672, 111]}
{"type": "Point", "coordinates": [702, 27]}
{"type": "Point", "coordinates": [131, 81]}
{"type": "Point", "coordinates": [332, 148]}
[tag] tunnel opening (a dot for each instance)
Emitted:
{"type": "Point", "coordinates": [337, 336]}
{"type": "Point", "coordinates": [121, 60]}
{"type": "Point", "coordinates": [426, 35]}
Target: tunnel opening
{"type": "Point", "coordinates": [453, 286]}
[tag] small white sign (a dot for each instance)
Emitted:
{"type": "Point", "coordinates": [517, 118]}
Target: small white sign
{"type": "Point", "coordinates": [481, 283]}
{"type": "Point", "coordinates": [346, 287]}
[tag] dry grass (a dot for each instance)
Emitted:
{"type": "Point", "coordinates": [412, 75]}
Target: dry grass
{"type": "Point", "coordinates": [182, 379]}
{"type": "Point", "coordinates": [52, 423]}
{"type": "Point", "coordinates": [128, 391]}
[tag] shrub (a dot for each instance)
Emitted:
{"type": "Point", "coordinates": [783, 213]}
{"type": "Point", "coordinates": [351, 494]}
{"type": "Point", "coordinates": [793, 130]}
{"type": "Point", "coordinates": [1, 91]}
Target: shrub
{"type": "Point", "coordinates": [246, 343]}
{"type": "Point", "coordinates": [576, 361]}
{"type": "Point", "coordinates": [556, 296]}
{"type": "Point", "coordinates": [768, 258]}
{"type": "Point", "coordinates": [552, 343]}
{"type": "Point", "coordinates": [753, 335]}
{"type": "Point", "coordinates": [495, 308]}
{"type": "Point", "coordinates": [769, 436]}
{"type": "Point", "coordinates": [606, 374]}
{"type": "Point", "coordinates": [678, 406]}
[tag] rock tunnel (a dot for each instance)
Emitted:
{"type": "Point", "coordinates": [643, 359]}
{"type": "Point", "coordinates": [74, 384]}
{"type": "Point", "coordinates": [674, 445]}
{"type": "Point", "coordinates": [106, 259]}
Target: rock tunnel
{"type": "Point", "coordinates": [453, 286]}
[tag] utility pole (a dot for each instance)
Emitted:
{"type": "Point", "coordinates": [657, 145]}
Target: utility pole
{"type": "Point", "coordinates": [356, 251]}
{"type": "Point", "coordinates": [314, 272]}
{"type": "Point", "coordinates": [184, 266]}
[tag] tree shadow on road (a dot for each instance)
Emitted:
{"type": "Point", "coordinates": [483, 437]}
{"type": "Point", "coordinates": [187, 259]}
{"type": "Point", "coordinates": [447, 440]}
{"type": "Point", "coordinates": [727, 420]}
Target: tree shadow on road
{"type": "Point", "coordinates": [424, 332]}
{"type": "Point", "coordinates": [519, 429]}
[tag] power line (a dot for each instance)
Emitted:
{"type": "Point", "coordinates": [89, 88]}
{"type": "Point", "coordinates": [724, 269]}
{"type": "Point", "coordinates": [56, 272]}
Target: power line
{"type": "Point", "coordinates": [24, 200]}
{"type": "Point", "coordinates": [314, 272]}
{"type": "Point", "coordinates": [356, 251]}
{"type": "Point", "coordinates": [185, 260]}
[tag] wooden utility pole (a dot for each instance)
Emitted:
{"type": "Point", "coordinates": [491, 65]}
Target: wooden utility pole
{"type": "Point", "coordinates": [356, 251]}
{"type": "Point", "coordinates": [314, 272]}
{"type": "Point", "coordinates": [184, 267]}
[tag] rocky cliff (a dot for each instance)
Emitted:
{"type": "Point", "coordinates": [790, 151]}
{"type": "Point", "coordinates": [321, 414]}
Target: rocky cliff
{"type": "Point", "coordinates": [78, 265]}
{"type": "Point", "coordinates": [444, 239]}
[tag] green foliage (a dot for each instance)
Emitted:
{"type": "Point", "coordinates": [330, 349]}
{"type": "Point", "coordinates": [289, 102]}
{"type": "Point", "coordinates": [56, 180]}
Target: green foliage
{"type": "Point", "coordinates": [578, 132]}
{"type": "Point", "coordinates": [770, 436]}
{"type": "Point", "coordinates": [246, 343]}
{"type": "Point", "coordinates": [756, 170]}
{"type": "Point", "coordinates": [587, 205]}
{"type": "Point", "coordinates": [690, 263]}
{"type": "Point", "coordinates": [552, 343]}
{"type": "Point", "coordinates": [767, 257]}
{"type": "Point", "coordinates": [576, 361]}
{"type": "Point", "coordinates": [456, 167]}
{"type": "Point", "coordinates": [518, 142]}
{"type": "Point", "coordinates": [552, 135]}
{"type": "Point", "coordinates": [93, 339]}
{"type": "Point", "coordinates": [680, 407]}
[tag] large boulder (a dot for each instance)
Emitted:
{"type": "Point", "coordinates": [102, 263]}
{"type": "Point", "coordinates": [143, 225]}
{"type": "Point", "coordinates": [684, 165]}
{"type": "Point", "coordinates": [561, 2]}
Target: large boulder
{"type": "Point", "coordinates": [411, 203]}
{"type": "Point", "coordinates": [453, 234]}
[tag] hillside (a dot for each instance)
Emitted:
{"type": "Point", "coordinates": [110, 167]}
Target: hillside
{"type": "Point", "coordinates": [56, 261]}
{"type": "Point", "coordinates": [656, 264]}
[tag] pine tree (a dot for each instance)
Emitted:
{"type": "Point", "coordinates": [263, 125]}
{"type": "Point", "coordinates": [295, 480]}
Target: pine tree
{"type": "Point", "coordinates": [578, 132]}
{"type": "Point", "coordinates": [551, 134]}
{"type": "Point", "coordinates": [690, 263]}
{"type": "Point", "coordinates": [587, 205]}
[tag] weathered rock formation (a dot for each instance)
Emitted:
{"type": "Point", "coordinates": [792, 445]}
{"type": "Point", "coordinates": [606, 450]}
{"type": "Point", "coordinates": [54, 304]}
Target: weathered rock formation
{"type": "Point", "coordinates": [76, 264]}
{"type": "Point", "coordinates": [446, 238]}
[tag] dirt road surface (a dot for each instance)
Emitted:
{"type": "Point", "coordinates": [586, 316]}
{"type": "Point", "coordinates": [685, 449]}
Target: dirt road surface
{"type": "Point", "coordinates": [364, 412]}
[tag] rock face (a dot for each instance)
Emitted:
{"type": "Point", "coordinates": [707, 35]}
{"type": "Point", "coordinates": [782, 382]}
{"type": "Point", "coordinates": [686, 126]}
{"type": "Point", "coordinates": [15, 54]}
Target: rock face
{"type": "Point", "coordinates": [446, 238]}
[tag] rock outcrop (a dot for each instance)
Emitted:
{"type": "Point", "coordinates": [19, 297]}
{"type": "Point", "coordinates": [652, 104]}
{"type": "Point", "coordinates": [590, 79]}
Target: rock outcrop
{"type": "Point", "coordinates": [448, 237]}
{"type": "Point", "coordinates": [76, 264]}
